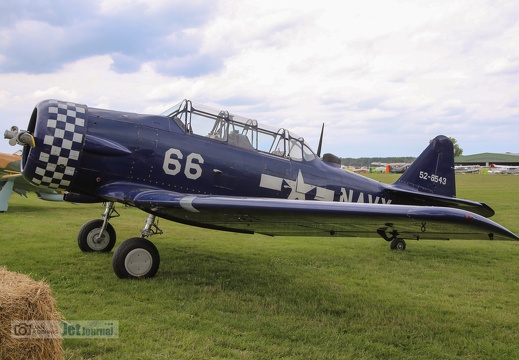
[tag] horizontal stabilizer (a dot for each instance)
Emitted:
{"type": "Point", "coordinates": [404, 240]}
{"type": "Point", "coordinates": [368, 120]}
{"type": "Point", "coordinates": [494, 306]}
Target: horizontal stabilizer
{"type": "Point", "coordinates": [424, 199]}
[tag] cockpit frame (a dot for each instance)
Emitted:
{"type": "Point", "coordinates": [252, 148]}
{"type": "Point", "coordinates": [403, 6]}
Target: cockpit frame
{"type": "Point", "coordinates": [238, 131]}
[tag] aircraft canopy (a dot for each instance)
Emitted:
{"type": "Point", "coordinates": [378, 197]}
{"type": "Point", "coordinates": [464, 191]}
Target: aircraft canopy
{"type": "Point", "coordinates": [202, 120]}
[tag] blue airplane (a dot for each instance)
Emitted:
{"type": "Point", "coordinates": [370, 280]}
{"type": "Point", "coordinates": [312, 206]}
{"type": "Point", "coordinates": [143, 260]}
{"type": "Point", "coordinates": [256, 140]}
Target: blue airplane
{"type": "Point", "coordinates": [209, 168]}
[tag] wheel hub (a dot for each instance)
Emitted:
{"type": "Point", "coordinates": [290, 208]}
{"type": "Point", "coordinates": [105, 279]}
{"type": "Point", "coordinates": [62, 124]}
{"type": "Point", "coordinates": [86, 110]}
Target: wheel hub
{"type": "Point", "coordinates": [97, 241]}
{"type": "Point", "coordinates": [138, 262]}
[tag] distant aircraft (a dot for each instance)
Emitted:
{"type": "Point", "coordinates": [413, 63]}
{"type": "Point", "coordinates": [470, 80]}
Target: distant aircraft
{"type": "Point", "coordinates": [467, 169]}
{"type": "Point", "coordinates": [11, 180]}
{"type": "Point", "coordinates": [398, 169]}
{"type": "Point", "coordinates": [503, 169]}
{"type": "Point", "coordinates": [209, 168]}
{"type": "Point", "coordinates": [380, 169]}
{"type": "Point", "coordinates": [361, 170]}
{"type": "Point", "coordinates": [394, 168]}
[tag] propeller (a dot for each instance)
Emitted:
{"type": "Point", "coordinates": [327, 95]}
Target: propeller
{"type": "Point", "coordinates": [20, 137]}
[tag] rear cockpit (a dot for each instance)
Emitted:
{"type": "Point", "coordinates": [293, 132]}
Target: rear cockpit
{"type": "Point", "coordinates": [235, 130]}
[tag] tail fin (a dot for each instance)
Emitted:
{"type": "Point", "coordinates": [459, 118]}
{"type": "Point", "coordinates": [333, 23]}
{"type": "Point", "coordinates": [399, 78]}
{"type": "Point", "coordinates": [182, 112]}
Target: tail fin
{"type": "Point", "coordinates": [433, 171]}
{"type": "Point", "coordinates": [430, 181]}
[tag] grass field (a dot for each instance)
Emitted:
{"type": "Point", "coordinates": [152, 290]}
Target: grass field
{"type": "Point", "coordinates": [226, 295]}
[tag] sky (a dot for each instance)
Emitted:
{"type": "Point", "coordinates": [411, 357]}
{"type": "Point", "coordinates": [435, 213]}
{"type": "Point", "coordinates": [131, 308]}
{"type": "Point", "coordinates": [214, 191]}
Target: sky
{"type": "Point", "coordinates": [384, 76]}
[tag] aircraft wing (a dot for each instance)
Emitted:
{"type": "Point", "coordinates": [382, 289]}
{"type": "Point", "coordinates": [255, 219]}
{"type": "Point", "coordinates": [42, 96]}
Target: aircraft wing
{"type": "Point", "coordinates": [10, 178]}
{"type": "Point", "coordinates": [6, 175]}
{"type": "Point", "coordinates": [22, 186]}
{"type": "Point", "coordinates": [309, 218]}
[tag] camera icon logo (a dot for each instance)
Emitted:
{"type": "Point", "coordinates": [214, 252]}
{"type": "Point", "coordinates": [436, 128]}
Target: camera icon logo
{"type": "Point", "coordinates": [22, 329]}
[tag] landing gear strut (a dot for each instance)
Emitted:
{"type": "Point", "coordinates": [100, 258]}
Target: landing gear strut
{"type": "Point", "coordinates": [137, 257]}
{"type": "Point", "coordinates": [99, 234]}
{"type": "Point", "coordinates": [134, 258]}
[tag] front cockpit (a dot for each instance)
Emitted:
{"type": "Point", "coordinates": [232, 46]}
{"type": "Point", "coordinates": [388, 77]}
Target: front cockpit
{"type": "Point", "coordinates": [238, 131]}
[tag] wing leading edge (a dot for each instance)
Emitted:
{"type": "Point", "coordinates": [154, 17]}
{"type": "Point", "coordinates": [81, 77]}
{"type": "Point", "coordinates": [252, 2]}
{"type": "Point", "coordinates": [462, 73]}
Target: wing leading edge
{"type": "Point", "coordinates": [279, 217]}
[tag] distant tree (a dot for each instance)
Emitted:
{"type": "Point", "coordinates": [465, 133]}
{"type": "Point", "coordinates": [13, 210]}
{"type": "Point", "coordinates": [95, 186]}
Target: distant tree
{"type": "Point", "coordinates": [365, 161]}
{"type": "Point", "coordinates": [457, 150]}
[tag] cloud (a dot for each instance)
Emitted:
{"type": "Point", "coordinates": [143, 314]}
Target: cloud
{"type": "Point", "coordinates": [44, 37]}
{"type": "Point", "coordinates": [400, 71]}
{"type": "Point", "coordinates": [506, 66]}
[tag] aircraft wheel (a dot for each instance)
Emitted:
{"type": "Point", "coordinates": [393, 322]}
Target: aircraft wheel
{"type": "Point", "coordinates": [136, 258]}
{"type": "Point", "coordinates": [88, 237]}
{"type": "Point", "coordinates": [398, 244]}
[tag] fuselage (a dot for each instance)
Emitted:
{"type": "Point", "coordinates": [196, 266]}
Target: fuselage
{"type": "Point", "coordinates": [164, 156]}
{"type": "Point", "coordinates": [193, 149]}
{"type": "Point", "coordinates": [231, 156]}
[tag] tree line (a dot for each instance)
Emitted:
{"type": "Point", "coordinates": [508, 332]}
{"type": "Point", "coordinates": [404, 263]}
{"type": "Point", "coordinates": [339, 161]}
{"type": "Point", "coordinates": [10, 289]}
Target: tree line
{"type": "Point", "coordinates": [366, 161]}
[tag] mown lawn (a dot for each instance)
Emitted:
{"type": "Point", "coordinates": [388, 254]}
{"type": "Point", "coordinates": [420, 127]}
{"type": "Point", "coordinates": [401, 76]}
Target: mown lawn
{"type": "Point", "coordinates": [225, 295]}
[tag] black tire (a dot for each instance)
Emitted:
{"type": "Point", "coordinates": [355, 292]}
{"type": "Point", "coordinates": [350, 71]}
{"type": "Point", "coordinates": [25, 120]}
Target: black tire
{"type": "Point", "coordinates": [398, 244]}
{"type": "Point", "coordinates": [136, 258]}
{"type": "Point", "coordinates": [86, 238]}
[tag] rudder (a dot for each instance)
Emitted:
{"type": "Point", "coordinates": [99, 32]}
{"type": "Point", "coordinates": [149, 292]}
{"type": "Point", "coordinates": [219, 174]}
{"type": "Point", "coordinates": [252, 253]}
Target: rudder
{"type": "Point", "coordinates": [433, 171]}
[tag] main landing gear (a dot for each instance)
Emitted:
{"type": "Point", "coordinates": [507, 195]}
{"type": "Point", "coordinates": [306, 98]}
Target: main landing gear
{"type": "Point", "coordinates": [134, 258]}
{"type": "Point", "coordinates": [396, 243]}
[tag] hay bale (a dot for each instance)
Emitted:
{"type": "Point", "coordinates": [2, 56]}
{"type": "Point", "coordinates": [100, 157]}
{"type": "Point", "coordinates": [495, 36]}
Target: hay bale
{"type": "Point", "coordinates": [23, 299]}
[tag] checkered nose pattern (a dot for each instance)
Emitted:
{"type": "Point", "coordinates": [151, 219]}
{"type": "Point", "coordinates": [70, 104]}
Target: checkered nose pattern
{"type": "Point", "coordinates": [61, 126]}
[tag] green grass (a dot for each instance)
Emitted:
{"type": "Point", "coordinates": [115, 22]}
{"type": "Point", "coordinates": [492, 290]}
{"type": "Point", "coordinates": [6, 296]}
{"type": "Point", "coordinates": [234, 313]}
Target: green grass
{"type": "Point", "coordinates": [226, 295]}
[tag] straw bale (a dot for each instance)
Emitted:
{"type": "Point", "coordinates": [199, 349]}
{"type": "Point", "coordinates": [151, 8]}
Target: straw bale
{"type": "Point", "coordinates": [24, 299]}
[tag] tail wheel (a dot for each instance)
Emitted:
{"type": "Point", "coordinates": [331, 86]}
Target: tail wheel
{"type": "Point", "coordinates": [136, 258]}
{"type": "Point", "coordinates": [397, 244]}
{"type": "Point", "coordinates": [90, 239]}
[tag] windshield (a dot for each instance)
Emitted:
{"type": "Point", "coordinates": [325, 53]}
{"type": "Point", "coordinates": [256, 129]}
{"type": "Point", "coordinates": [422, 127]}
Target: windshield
{"type": "Point", "coordinates": [238, 131]}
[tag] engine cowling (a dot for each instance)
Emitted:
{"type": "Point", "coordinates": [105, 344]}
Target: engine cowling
{"type": "Point", "coordinates": [59, 130]}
